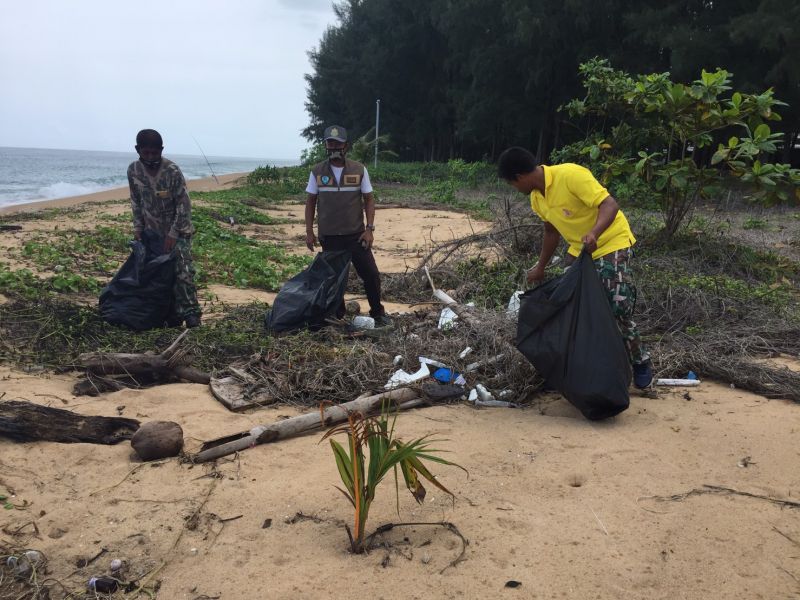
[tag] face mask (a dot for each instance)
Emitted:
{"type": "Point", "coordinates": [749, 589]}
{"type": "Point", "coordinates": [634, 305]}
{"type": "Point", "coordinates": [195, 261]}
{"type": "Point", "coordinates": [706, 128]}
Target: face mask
{"type": "Point", "coordinates": [151, 164]}
{"type": "Point", "coordinates": [339, 153]}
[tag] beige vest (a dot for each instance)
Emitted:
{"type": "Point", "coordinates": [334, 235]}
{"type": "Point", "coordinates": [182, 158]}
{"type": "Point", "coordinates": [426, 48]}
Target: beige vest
{"type": "Point", "coordinates": [340, 206]}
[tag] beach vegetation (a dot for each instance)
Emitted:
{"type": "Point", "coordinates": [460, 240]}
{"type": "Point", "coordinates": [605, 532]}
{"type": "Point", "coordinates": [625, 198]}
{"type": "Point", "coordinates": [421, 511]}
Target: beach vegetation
{"type": "Point", "coordinates": [226, 257]}
{"type": "Point", "coordinates": [95, 253]}
{"type": "Point", "coordinates": [313, 154]}
{"type": "Point", "coordinates": [373, 451]}
{"type": "Point", "coordinates": [659, 134]}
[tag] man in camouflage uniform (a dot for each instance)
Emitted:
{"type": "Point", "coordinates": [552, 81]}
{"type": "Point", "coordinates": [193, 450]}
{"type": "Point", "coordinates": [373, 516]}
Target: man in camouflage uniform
{"type": "Point", "coordinates": [159, 202]}
{"type": "Point", "coordinates": [574, 205]}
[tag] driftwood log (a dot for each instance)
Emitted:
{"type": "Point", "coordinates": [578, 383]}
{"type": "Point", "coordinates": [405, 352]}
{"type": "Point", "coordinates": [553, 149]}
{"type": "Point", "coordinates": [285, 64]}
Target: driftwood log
{"type": "Point", "coordinates": [401, 399]}
{"type": "Point", "coordinates": [113, 371]}
{"type": "Point", "coordinates": [27, 422]}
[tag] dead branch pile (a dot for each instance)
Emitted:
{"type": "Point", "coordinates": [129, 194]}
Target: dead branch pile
{"type": "Point", "coordinates": [334, 366]}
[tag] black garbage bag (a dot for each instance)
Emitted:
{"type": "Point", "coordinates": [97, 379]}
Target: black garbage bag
{"type": "Point", "coordinates": [140, 294]}
{"type": "Point", "coordinates": [567, 330]}
{"type": "Point", "coordinates": [311, 296]}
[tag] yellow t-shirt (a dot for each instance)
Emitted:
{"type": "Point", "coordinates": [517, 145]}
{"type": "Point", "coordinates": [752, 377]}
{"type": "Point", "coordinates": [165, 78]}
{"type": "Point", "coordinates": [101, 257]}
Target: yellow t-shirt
{"type": "Point", "coordinates": [569, 203]}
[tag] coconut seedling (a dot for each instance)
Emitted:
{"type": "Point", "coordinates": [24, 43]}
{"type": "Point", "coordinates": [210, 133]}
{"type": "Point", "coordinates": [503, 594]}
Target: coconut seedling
{"type": "Point", "coordinates": [372, 452]}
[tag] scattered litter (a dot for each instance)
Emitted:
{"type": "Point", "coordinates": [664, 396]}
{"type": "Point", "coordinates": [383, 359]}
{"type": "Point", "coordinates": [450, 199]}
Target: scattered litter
{"type": "Point", "coordinates": [431, 362]}
{"type": "Point", "coordinates": [363, 322]}
{"type": "Point", "coordinates": [513, 304]}
{"type": "Point", "coordinates": [691, 375]}
{"type": "Point", "coordinates": [442, 391]}
{"type": "Point", "coordinates": [678, 382]}
{"type": "Point", "coordinates": [476, 365]}
{"type": "Point", "coordinates": [484, 394]}
{"type": "Point", "coordinates": [102, 585]}
{"type": "Point", "coordinates": [745, 462]}
{"type": "Point", "coordinates": [480, 396]}
{"type": "Point", "coordinates": [513, 584]}
{"type": "Point", "coordinates": [400, 377]}
{"type": "Point", "coordinates": [398, 360]}
{"type": "Point", "coordinates": [446, 375]}
{"type": "Point", "coordinates": [447, 318]}
{"type": "Point", "coordinates": [465, 351]}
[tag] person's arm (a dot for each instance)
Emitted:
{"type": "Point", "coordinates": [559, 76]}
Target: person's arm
{"type": "Point", "coordinates": [136, 209]}
{"type": "Point", "coordinates": [549, 244]}
{"type": "Point", "coordinates": [369, 211]}
{"type": "Point", "coordinates": [182, 225]}
{"type": "Point", "coordinates": [606, 212]}
{"type": "Point", "coordinates": [311, 208]}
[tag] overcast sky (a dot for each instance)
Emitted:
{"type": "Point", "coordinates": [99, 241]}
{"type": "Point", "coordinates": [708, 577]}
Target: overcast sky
{"type": "Point", "coordinates": [88, 74]}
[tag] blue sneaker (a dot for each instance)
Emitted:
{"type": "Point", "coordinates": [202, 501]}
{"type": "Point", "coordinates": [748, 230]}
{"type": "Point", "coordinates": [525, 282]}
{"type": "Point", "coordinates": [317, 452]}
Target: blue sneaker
{"type": "Point", "coordinates": [643, 375]}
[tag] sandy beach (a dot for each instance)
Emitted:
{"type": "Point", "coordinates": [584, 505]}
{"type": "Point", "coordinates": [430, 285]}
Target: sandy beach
{"type": "Point", "coordinates": [693, 494]}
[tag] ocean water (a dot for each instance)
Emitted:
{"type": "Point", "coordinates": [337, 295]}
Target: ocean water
{"type": "Point", "coordinates": [28, 174]}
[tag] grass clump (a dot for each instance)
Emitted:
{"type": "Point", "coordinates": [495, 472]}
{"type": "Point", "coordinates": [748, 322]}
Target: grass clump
{"type": "Point", "coordinates": [229, 258]}
{"type": "Point", "coordinates": [25, 284]}
{"type": "Point", "coordinates": [97, 252]}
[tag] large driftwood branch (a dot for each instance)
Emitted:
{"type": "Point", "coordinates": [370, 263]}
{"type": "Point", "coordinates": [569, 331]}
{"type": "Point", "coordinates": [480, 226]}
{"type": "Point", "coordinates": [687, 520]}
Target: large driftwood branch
{"type": "Point", "coordinates": [27, 422]}
{"type": "Point", "coordinates": [264, 434]}
{"type": "Point", "coordinates": [137, 369]}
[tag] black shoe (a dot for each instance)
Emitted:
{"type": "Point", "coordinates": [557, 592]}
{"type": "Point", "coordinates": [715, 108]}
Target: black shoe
{"type": "Point", "coordinates": [383, 321]}
{"type": "Point", "coordinates": [174, 322]}
{"type": "Point", "coordinates": [193, 321]}
{"type": "Point", "coordinates": [643, 375]}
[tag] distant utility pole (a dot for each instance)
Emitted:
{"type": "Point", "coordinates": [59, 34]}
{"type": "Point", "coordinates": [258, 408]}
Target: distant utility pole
{"type": "Point", "coordinates": [377, 126]}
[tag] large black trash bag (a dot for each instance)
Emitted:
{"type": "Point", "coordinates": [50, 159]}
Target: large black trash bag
{"type": "Point", "coordinates": [140, 294]}
{"type": "Point", "coordinates": [567, 330]}
{"type": "Point", "coordinates": [311, 296]}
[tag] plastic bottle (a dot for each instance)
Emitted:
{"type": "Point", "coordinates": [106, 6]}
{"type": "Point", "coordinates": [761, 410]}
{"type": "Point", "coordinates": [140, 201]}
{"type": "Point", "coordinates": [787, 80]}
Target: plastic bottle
{"type": "Point", "coordinates": [691, 375]}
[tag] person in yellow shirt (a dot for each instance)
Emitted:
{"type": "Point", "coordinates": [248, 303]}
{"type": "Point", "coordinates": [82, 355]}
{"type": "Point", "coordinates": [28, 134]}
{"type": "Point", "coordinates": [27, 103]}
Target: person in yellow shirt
{"type": "Point", "coordinates": [574, 205]}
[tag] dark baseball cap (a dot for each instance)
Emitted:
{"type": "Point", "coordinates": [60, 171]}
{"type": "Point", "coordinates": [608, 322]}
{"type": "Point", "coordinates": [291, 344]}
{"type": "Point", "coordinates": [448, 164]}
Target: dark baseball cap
{"type": "Point", "coordinates": [334, 132]}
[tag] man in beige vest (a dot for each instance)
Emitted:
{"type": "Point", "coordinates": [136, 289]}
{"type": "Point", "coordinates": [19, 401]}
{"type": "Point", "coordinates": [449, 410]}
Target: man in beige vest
{"type": "Point", "coordinates": [340, 193]}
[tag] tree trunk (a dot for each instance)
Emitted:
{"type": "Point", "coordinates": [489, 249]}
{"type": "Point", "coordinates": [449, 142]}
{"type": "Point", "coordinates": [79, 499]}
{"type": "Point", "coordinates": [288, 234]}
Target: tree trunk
{"type": "Point", "coordinates": [266, 434]}
{"type": "Point", "coordinates": [27, 422]}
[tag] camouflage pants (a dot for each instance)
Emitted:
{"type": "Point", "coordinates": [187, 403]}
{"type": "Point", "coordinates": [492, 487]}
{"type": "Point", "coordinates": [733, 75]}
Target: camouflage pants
{"type": "Point", "coordinates": [184, 292]}
{"type": "Point", "coordinates": [617, 279]}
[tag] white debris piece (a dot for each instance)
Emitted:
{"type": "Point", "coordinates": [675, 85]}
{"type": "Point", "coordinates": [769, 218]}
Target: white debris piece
{"type": "Point", "coordinates": [432, 362]}
{"type": "Point", "coordinates": [678, 382]}
{"type": "Point", "coordinates": [480, 396]}
{"type": "Point", "coordinates": [400, 377]}
{"type": "Point", "coordinates": [447, 319]}
{"type": "Point", "coordinates": [513, 304]}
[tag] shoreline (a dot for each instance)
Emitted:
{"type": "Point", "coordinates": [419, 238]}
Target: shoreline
{"type": "Point", "coordinates": [204, 184]}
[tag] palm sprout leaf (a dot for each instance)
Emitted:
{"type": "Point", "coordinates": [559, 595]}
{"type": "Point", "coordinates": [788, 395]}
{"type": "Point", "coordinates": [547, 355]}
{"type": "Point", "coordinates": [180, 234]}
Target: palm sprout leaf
{"type": "Point", "coordinates": [346, 495]}
{"type": "Point", "coordinates": [416, 464]}
{"type": "Point", "coordinates": [344, 464]}
{"type": "Point", "coordinates": [412, 481]}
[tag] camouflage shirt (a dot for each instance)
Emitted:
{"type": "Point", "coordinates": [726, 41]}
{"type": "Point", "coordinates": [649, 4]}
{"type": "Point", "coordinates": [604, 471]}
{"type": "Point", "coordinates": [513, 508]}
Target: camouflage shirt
{"type": "Point", "coordinates": [160, 202]}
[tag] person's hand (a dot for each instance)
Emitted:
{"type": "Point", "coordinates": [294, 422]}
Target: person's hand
{"type": "Point", "coordinates": [589, 242]}
{"type": "Point", "coordinates": [137, 235]}
{"type": "Point", "coordinates": [311, 240]}
{"type": "Point", "coordinates": [366, 239]}
{"type": "Point", "coordinates": [535, 274]}
{"type": "Point", "coordinates": [169, 244]}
